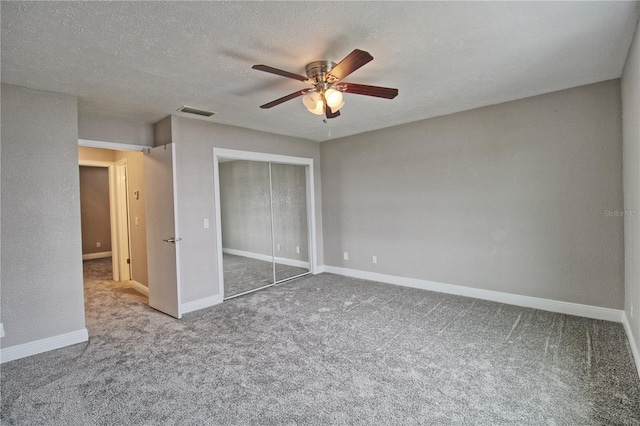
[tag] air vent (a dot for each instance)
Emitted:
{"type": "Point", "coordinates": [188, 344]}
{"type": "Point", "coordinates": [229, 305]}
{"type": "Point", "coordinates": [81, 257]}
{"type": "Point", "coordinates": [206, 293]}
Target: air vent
{"type": "Point", "coordinates": [196, 111]}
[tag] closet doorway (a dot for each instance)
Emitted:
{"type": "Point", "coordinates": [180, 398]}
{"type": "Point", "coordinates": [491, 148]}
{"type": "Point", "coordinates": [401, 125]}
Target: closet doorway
{"type": "Point", "coordinates": [264, 206]}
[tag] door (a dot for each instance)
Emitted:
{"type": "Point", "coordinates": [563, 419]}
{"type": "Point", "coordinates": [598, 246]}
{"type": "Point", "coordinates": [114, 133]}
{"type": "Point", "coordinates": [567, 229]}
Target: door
{"type": "Point", "coordinates": [245, 215]}
{"type": "Point", "coordinates": [290, 220]}
{"type": "Point", "coordinates": [163, 244]}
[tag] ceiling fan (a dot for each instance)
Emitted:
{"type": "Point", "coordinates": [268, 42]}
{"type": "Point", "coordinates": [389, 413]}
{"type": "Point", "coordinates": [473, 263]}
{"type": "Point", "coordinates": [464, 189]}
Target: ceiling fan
{"type": "Point", "coordinates": [325, 77]}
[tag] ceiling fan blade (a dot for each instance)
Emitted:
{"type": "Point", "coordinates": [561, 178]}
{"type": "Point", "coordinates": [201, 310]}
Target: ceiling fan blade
{"type": "Point", "coordinates": [282, 73]}
{"type": "Point", "coordinates": [329, 113]}
{"type": "Point", "coordinates": [350, 63]}
{"type": "Point", "coordinates": [327, 109]}
{"type": "Point", "coordinates": [284, 99]}
{"type": "Point", "coordinates": [363, 89]}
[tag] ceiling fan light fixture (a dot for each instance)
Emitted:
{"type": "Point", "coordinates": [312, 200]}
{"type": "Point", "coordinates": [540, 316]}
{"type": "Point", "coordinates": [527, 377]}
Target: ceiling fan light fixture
{"type": "Point", "coordinates": [334, 98]}
{"type": "Point", "coordinates": [310, 100]}
{"type": "Point", "coordinates": [318, 110]}
{"type": "Point", "coordinates": [313, 103]}
{"type": "Point", "coordinates": [336, 108]}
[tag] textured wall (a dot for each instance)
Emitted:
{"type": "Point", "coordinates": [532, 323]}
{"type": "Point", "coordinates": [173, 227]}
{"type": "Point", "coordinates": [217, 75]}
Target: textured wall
{"type": "Point", "coordinates": [162, 131]}
{"type": "Point", "coordinates": [194, 141]}
{"type": "Point", "coordinates": [42, 293]}
{"type": "Point", "coordinates": [510, 197]}
{"type": "Point", "coordinates": [96, 154]}
{"type": "Point", "coordinates": [631, 167]}
{"type": "Point", "coordinates": [94, 209]}
{"type": "Point", "coordinates": [111, 129]}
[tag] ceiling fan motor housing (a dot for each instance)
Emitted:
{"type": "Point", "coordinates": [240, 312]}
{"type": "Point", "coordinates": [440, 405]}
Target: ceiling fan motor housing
{"type": "Point", "coordinates": [316, 70]}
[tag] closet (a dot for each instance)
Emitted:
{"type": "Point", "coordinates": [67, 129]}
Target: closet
{"type": "Point", "coordinates": [264, 222]}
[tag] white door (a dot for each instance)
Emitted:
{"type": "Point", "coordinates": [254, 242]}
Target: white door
{"type": "Point", "coordinates": [163, 244]}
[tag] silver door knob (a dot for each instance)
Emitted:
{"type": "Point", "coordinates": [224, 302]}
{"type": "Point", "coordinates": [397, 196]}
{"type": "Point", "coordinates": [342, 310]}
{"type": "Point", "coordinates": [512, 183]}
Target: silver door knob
{"type": "Point", "coordinates": [172, 240]}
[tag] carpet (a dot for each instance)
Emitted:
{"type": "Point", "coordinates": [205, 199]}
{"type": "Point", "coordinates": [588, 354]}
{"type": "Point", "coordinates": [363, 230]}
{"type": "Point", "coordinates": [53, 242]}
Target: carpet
{"type": "Point", "coordinates": [242, 274]}
{"type": "Point", "coordinates": [327, 349]}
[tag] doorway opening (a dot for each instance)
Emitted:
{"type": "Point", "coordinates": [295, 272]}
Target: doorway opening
{"type": "Point", "coordinates": [113, 216]}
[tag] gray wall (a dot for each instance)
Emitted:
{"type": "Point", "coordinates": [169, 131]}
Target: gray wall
{"type": "Point", "coordinates": [111, 129]}
{"type": "Point", "coordinates": [509, 197]}
{"type": "Point", "coordinates": [245, 204]}
{"type": "Point", "coordinates": [194, 141]}
{"type": "Point", "coordinates": [94, 209]}
{"type": "Point", "coordinates": [631, 167]}
{"type": "Point", "coordinates": [42, 293]}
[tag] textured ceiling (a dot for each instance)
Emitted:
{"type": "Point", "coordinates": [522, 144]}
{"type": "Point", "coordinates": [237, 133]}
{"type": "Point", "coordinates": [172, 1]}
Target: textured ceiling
{"type": "Point", "coordinates": [143, 60]}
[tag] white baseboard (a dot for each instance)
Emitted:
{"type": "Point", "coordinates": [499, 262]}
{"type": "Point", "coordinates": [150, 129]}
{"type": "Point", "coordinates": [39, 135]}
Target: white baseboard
{"type": "Point", "coordinates": [568, 308]}
{"type": "Point", "coordinates": [140, 288]}
{"type": "Point", "coordinates": [43, 345]}
{"type": "Point", "coordinates": [267, 258]}
{"type": "Point", "coordinates": [319, 270]}
{"type": "Point", "coordinates": [100, 255]}
{"type": "Point", "coordinates": [632, 341]}
{"type": "Point", "coordinates": [195, 305]}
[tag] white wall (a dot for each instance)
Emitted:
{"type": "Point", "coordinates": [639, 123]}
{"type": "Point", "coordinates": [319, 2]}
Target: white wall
{"type": "Point", "coordinates": [509, 198]}
{"type": "Point", "coordinates": [195, 140]}
{"type": "Point", "coordinates": [631, 168]}
{"type": "Point", "coordinates": [42, 293]}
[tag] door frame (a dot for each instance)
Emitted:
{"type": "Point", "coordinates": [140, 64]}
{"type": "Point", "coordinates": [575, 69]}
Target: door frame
{"type": "Point", "coordinates": [123, 230]}
{"type": "Point", "coordinates": [115, 255]}
{"type": "Point", "coordinates": [271, 158]}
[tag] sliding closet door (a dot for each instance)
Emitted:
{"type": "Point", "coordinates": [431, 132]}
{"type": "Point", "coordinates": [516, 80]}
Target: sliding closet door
{"type": "Point", "coordinates": [290, 220]}
{"type": "Point", "coordinates": [245, 212]}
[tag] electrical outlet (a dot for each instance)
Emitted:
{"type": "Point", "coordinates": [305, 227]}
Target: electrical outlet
{"type": "Point", "coordinates": [279, 247]}
{"type": "Point", "coordinates": [98, 244]}
{"type": "Point", "coordinates": [346, 256]}
{"type": "Point", "coordinates": [206, 223]}
{"type": "Point", "coordinates": [631, 310]}
{"type": "Point", "coordinates": [137, 221]}
{"type": "Point", "coordinates": [1, 330]}
{"type": "Point", "coordinates": [297, 249]}
{"type": "Point", "coordinates": [375, 259]}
